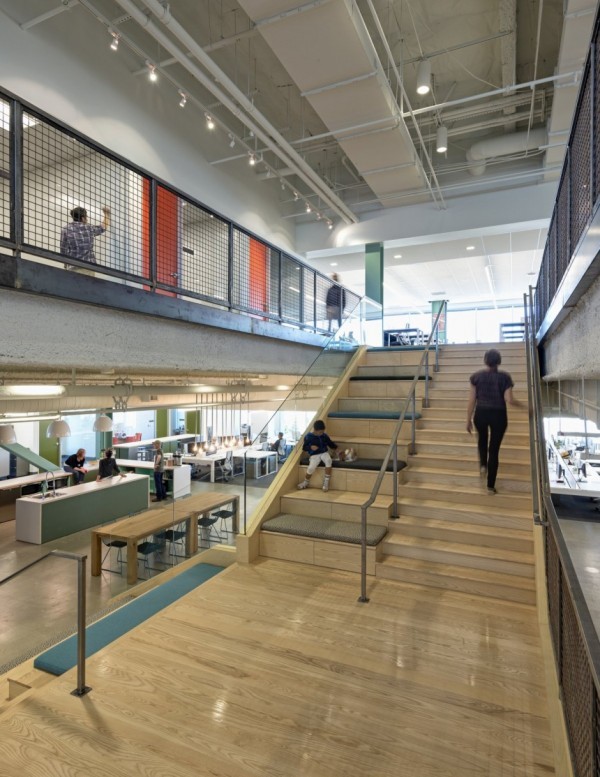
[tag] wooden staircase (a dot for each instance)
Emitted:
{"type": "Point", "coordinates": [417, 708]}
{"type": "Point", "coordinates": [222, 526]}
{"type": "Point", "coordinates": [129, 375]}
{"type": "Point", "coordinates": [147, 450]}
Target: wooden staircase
{"type": "Point", "coordinates": [451, 534]}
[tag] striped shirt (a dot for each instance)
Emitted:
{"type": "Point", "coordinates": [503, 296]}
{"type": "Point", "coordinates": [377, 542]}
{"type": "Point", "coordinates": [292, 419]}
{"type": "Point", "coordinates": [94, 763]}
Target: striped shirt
{"type": "Point", "coordinates": [490, 386]}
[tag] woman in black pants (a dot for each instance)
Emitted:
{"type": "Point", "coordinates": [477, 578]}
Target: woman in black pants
{"type": "Point", "coordinates": [491, 389]}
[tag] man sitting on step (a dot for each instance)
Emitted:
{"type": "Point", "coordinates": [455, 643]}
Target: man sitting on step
{"type": "Point", "coordinates": [317, 445]}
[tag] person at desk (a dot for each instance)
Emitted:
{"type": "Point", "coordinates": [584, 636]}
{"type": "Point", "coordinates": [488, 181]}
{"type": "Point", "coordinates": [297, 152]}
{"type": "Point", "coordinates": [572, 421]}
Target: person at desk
{"type": "Point", "coordinates": [159, 471]}
{"type": "Point", "coordinates": [279, 446]}
{"type": "Point", "coordinates": [74, 465]}
{"type": "Point", "coordinates": [491, 389]}
{"type": "Point", "coordinates": [107, 467]}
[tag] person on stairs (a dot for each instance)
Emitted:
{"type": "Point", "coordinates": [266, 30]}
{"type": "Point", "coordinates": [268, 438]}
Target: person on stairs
{"type": "Point", "coordinates": [317, 444]}
{"type": "Point", "coordinates": [490, 390]}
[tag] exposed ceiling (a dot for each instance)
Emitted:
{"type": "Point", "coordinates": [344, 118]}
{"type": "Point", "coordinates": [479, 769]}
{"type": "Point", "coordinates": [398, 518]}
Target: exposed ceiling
{"type": "Point", "coordinates": [322, 97]}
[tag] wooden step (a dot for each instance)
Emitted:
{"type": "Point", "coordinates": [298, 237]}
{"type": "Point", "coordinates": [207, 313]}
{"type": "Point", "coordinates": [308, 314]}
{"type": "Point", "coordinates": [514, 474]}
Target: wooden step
{"type": "Point", "coordinates": [352, 479]}
{"type": "Point", "coordinates": [457, 403]}
{"type": "Point", "coordinates": [509, 562]}
{"type": "Point", "coordinates": [464, 448]}
{"type": "Point", "coordinates": [517, 482]}
{"type": "Point", "coordinates": [446, 421]}
{"type": "Point", "coordinates": [439, 394]}
{"type": "Point", "coordinates": [447, 378]}
{"type": "Point", "coordinates": [341, 505]}
{"type": "Point", "coordinates": [384, 388]}
{"type": "Point", "coordinates": [389, 357]}
{"type": "Point", "coordinates": [369, 447]}
{"type": "Point", "coordinates": [444, 435]}
{"type": "Point", "coordinates": [452, 578]}
{"type": "Point", "coordinates": [462, 365]}
{"type": "Point", "coordinates": [399, 372]}
{"type": "Point", "coordinates": [469, 464]}
{"type": "Point", "coordinates": [466, 495]}
{"type": "Point", "coordinates": [337, 428]}
{"type": "Point", "coordinates": [486, 535]}
{"type": "Point", "coordinates": [473, 349]}
{"type": "Point", "coordinates": [489, 513]}
{"type": "Point", "coordinates": [349, 404]}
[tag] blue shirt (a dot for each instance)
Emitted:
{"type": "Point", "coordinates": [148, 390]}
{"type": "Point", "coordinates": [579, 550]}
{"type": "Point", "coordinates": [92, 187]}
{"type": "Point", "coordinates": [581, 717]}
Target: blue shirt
{"type": "Point", "coordinates": [322, 440]}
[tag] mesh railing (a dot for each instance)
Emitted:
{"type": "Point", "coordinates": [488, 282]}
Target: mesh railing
{"type": "Point", "coordinates": [86, 210]}
{"type": "Point", "coordinates": [579, 188]}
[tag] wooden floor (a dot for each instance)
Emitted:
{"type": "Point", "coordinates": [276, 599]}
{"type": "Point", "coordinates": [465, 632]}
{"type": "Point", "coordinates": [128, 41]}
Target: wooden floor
{"type": "Point", "coordinates": [275, 670]}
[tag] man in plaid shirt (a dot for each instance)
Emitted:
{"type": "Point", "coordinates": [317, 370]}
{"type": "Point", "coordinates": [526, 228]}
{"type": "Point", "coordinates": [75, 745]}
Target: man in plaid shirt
{"type": "Point", "coordinates": [77, 238]}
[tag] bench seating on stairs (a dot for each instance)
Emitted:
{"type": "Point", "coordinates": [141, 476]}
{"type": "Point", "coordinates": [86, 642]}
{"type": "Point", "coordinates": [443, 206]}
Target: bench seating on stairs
{"type": "Point", "coordinates": [376, 415]}
{"type": "Point", "coordinates": [371, 465]}
{"type": "Point", "coordinates": [320, 541]}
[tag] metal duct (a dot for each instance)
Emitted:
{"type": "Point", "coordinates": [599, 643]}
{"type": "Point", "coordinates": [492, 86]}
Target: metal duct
{"type": "Point", "coordinates": [502, 145]}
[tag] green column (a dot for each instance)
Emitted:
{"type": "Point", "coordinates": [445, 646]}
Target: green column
{"type": "Point", "coordinates": [162, 423]}
{"type": "Point", "coordinates": [192, 422]}
{"type": "Point", "coordinates": [374, 271]}
{"type": "Point", "coordinates": [49, 446]}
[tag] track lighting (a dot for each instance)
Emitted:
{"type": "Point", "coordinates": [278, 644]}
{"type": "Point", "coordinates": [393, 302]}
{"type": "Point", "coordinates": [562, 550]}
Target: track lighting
{"type": "Point", "coordinates": [152, 71]}
{"type": "Point", "coordinates": [330, 225]}
{"type": "Point", "coordinates": [209, 121]}
{"type": "Point", "coordinates": [114, 44]}
{"type": "Point", "coordinates": [183, 100]}
{"type": "Point", "coordinates": [282, 186]}
{"type": "Point", "coordinates": [441, 139]}
{"type": "Point", "coordinates": [252, 160]}
{"type": "Point", "coordinates": [296, 196]}
{"type": "Point", "coordinates": [424, 77]}
{"type": "Point", "coordinates": [231, 141]}
{"type": "Point", "coordinates": [308, 208]}
{"type": "Point", "coordinates": [319, 217]}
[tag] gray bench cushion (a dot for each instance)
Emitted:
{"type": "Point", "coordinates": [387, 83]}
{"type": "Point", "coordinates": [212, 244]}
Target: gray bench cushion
{"type": "Point", "coordinates": [323, 528]}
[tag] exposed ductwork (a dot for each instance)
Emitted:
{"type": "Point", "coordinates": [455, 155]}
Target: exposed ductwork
{"type": "Point", "coordinates": [502, 145]}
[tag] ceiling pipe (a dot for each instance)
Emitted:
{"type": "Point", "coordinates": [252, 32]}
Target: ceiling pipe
{"type": "Point", "coordinates": [502, 145]}
{"type": "Point", "coordinates": [259, 124]}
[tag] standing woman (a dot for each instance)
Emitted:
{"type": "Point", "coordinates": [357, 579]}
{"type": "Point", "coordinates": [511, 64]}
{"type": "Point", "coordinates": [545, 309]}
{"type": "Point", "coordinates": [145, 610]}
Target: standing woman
{"type": "Point", "coordinates": [491, 389]}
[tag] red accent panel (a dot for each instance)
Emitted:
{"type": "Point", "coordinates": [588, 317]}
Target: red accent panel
{"type": "Point", "coordinates": [258, 275]}
{"type": "Point", "coordinates": [167, 241]}
{"type": "Point", "coordinates": [146, 229]}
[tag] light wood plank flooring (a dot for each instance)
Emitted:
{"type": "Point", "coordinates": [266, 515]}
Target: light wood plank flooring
{"type": "Point", "coordinates": [275, 670]}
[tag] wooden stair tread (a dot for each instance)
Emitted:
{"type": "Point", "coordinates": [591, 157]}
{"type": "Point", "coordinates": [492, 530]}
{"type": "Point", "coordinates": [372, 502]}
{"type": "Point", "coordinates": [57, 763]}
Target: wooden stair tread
{"type": "Point", "coordinates": [522, 477]}
{"type": "Point", "coordinates": [467, 490]}
{"type": "Point", "coordinates": [471, 528]}
{"type": "Point", "coordinates": [476, 509]}
{"type": "Point", "coordinates": [472, 574]}
{"type": "Point", "coordinates": [354, 498]}
{"type": "Point", "coordinates": [482, 551]}
{"type": "Point", "coordinates": [506, 448]}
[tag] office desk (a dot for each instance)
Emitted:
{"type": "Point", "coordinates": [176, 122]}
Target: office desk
{"type": "Point", "coordinates": [264, 462]}
{"type": "Point", "coordinates": [207, 460]}
{"type": "Point", "coordinates": [572, 484]}
{"type": "Point", "coordinates": [135, 528]}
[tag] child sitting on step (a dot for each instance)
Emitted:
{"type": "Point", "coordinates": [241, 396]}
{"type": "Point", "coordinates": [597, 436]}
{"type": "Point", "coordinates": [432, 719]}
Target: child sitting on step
{"type": "Point", "coordinates": [316, 444]}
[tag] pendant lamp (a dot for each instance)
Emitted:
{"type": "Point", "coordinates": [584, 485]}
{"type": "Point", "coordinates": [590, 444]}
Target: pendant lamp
{"type": "Point", "coordinates": [103, 423]}
{"type": "Point", "coordinates": [58, 428]}
{"type": "Point", "coordinates": [7, 434]}
{"type": "Point", "coordinates": [424, 77]}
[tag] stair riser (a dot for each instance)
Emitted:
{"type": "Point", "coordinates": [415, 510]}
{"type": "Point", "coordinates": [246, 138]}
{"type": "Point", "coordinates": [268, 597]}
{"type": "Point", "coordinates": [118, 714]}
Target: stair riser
{"type": "Point", "coordinates": [450, 436]}
{"type": "Point", "coordinates": [406, 359]}
{"type": "Point", "coordinates": [470, 464]}
{"type": "Point", "coordinates": [442, 404]}
{"type": "Point", "coordinates": [371, 450]}
{"type": "Point", "coordinates": [444, 379]}
{"type": "Point", "coordinates": [353, 404]}
{"type": "Point", "coordinates": [453, 584]}
{"type": "Point", "coordinates": [455, 422]}
{"type": "Point", "coordinates": [514, 500]}
{"type": "Point", "coordinates": [460, 479]}
{"type": "Point", "coordinates": [462, 560]}
{"type": "Point", "coordinates": [387, 370]}
{"type": "Point", "coordinates": [441, 397]}
{"type": "Point", "coordinates": [352, 480]}
{"type": "Point", "coordinates": [341, 512]}
{"type": "Point", "coordinates": [338, 427]}
{"type": "Point", "coordinates": [454, 513]}
{"type": "Point", "coordinates": [469, 449]}
{"type": "Point", "coordinates": [462, 536]}
{"type": "Point", "coordinates": [383, 388]}
{"type": "Point", "coordinates": [466, 367]}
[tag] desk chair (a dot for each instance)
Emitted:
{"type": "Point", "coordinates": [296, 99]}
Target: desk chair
{"type": "Point", "coordinates": [206, 526]}
{"type": "Point", "coordinates": [110, 544]}
{"type": "Point", "coordinates": [225, 466]}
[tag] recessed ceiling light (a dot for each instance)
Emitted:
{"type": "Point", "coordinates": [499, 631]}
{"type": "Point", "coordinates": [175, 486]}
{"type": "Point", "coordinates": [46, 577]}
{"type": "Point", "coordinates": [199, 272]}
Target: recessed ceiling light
{"type": "Point", "coordinates": [397, 256]}
{"type": "Point", "coordinates": [470, 248]}
{"type": "Point", "coordinates": [333, 264]}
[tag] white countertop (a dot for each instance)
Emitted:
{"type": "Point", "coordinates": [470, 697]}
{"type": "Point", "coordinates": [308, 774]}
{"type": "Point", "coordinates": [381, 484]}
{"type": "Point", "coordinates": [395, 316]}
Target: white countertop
{"type": "Point", "coordinates": [143, 443]}
{"type": "Point", "coordinates": [136, 464]}
{"type": "Point", "coordinates": [83, 488]}
{"type": "Point", "coordinates": [24, 480]}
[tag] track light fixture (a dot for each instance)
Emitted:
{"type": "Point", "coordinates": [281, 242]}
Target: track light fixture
{"type": "Point", "coordinates": [308, 208]}
{"type": "Point", "coordinates": [441, 139]}
{"type": "Point", "coordinates": [152, 71]}
{"type": "Point", "coordinates": [296, 196]}
{"type": "Point", "coordinates": [330, 225]}
{"type": "Point", "coordinates": [282, 186]}
{"type": "Point", "coordinates": [209, 121]}
{"type": "Point", "coordinates": [114, 44]}
{"type": "Point", "coordinates": [183, 100]}
{"type": "Point", "coordinates": [231, 141]}
{"type": "Point", "coordinates": [424, 77]}
{"type": "Point", "coordinates": [252, 160]}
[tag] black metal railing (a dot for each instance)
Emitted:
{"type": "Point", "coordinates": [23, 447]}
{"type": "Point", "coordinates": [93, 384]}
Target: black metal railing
{"type": "Point", "coordinates": [578, 194]}
{"type": "Point", "coordinates": [158, 237]}
{"type": "Point", "coordinates": [573, 635]}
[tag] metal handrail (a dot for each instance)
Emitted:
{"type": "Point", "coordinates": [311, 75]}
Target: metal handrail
{"type": "Point", "coordinates": [392, 450]}
{"type": "Point", "coordinates": [82, 688]}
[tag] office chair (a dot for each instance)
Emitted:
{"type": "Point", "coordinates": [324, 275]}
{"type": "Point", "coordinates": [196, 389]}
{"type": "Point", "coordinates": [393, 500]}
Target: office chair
{"type": "Point", "coordinates": [174, 537]}
{"type": "Point", "coordinates": [225, 466]}
{"type": "Point", "coordinates": [223, 515]}
{"type": "Point", "coordinates": [146, 548]}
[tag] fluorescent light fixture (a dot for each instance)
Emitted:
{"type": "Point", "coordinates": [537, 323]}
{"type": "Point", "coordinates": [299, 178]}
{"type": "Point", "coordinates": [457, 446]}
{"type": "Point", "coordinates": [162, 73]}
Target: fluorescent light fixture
{"type": "Point", "coordinates": [292, 288]}
{"type": "Point", "coordinates": [470, 248]}
{"type": "Point", "coordinates": [441, 139]}
{"type": "Point", "coordinates": [424, 77]}
{"type": "Point", "coordinates": [32, 391]}
{"type": "Point", "coordinates": [397, 256]}
{"type": "Point", "coordinates": [282, 388]}
{"type": "Point", "coordinates": [333, 264]}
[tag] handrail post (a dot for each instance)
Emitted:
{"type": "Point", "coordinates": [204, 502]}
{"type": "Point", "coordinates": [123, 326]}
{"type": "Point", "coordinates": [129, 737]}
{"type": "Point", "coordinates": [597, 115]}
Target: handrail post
{"type": "Point", "coordinates": [82, 688]}
{"type": "Point", "coordinates": [363, 556]}
{"type": "Point", "coordinates": [395, 492]}
{"type": "Point", "coordinates": [426, 401]}
{"type": "Point", "coordinates": [413, 436]}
